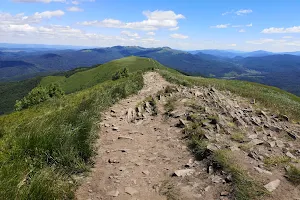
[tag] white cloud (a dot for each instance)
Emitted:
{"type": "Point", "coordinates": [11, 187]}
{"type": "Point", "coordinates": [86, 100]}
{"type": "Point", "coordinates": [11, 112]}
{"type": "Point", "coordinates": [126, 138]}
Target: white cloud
{"type": "Point", "coordinates": [129, 34]}
{"type": "Point", "coordinates": [242, 31]}
{"type": "Point", "coordinates": [19, 19]}
{"type": "Point", "coordinates": [249, 25]}
{"type": "Point", "coordinates": [287, 37]}
{"type": "Point", "coordinates": [48, 14]}
{"type": "Point", "coordinates": [75, 2]}
{"type": "Point", "coordinates": [294, 29]}
{"type": "Point", "coordinates": [151, 33]}
{"type": "Point", "coordinates": [179, 36]}
{"type": "Point", "coordinates": [39, 1]}
{"type": "Point", "coordinates": [238, 12]}
{"type": "Point", "coordinates": [74, 9]}
{"type": "Point", "coordinates": [232, 45]}
{"type": "Point", "coordinates": [155, 20]}
{"type": "Point", "coordinates": [174, 29]}
{"type": "Point", "coordinates": [243, 12]}
{"type": "Point", "coordinates": [220, 26]}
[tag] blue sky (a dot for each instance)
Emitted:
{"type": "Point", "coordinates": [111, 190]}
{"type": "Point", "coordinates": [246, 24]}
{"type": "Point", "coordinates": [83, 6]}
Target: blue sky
{"type": "Point", "coordinates": [271, 25]}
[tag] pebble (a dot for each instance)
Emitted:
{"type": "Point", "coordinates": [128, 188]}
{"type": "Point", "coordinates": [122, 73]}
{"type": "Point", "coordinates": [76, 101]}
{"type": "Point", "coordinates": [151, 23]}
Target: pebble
{"type": "Point", "coordinates": [113, 193]}
{"type": "Point", "coordinates": [131, 191]}
{"type": "Point", "coordinates": [272, 185]}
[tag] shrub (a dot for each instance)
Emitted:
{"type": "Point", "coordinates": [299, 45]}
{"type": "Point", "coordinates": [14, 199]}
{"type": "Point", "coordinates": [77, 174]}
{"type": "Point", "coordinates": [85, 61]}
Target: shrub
{"type": "Point", "coordinates": [121, 74]}
{"type": "Point", "coordinates": [38, 95]}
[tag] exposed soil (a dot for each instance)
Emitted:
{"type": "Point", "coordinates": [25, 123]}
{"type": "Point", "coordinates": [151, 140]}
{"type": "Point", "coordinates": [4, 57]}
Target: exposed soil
{"type": "Point", "coordinates": [140, 146]}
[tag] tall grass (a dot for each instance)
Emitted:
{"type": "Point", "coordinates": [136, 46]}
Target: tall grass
{"type": "Point", "coordinates": [43, 147]}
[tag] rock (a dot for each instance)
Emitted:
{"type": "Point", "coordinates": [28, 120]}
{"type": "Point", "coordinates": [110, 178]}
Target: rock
{"type": "Point", "coordinates": [130, 115]}
{"type": "Point", "coordinates": [284, 117]}
{"type": "Point", "coordinates": [272, 185]}
{"type": "Point", "coordinates": [182, 123]}
{"type": "Point", "coordinates": [274, 128]}
{"type": "Point", "coordinates": [111, 160]}
{"type": "Point", "coordinates": [262, 171]}
{"type": "Point", "coordinates": [252, 136]}
{"type": "Point", "coordinates": [256, 142]}
{"type": "Point", "coordinates": [146, 172]}
{"type": "Point", "coordinates": [234, 148]}
{"type": "Point", "coordinates": [224, 193]}
{"type": "Point", "coordinates": [279, 144]}
{"type": "Point", "coordinates": [253, 155]}
{"type": "Point", "coordinates": [207, 188]}
{"type": "Point", "coordinates": [239, 122]}
{"type": "Point", "coordinates": [113, 193]}
{"type": "Point", "coordinates": [184, 172]}
{"type": "Point", "coordinates": [289, 154]}
{"type": "Point", "coordinates": [216, 179]}
{"type": "Point", "coordinates": [228, 178]}
{"type": "Point", "coordinates": [252, 101]}
{"type": "Point", "coordinates": [272, 144]}
{"type": "Point", "coordinates": [292, 135]}
{"type": "Point", "coordinates": [122, 168]}
{"type": "Point", "coordinates": [115, 128]}
{"type": "Point", "coordinates": [131, 191]}
{"type": "Point", "coordinates": [212, 147]}
{"type": "Point", "coordinates": [210, 169]}
{"type": "Point", "coordinates": [124, 137]}
{"type": "Point", "coordinates": [106, 125]}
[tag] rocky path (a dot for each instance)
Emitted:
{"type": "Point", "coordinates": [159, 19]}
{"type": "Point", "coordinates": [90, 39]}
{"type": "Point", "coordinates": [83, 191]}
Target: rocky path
{"type": "Point", "coordinates": [143, 153]}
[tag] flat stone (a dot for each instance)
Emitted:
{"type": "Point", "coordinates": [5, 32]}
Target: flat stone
{"type": "Point", "coordinates": [257, 142]}
{"type": "Point", "coordinates": [124, 137]}
{"type": "Point", "coordinates": [279, 144]}
{"type": "Point", "coordinates": [146, 172]}
{"type": "Point", "coordinates": [212, 147]}
{"type": "Point", "coordinates": [272, 144]}
{"type": "Point", "coordinates": [106, 125]}
{"type": "Point", "coordinates": [184, 172]}
{"type": "Point", "coordinates": [207, 188]}
{"type": "Point", "coordinates": [292, 135]}
{"type": "Point", "coordinates": [272, 185]}
{"type": "Point", "coordinates": [224, 193]}
{"type": "Point", "coordinates": [113, 193]}
{"type": "Point", "coordinates": [262, 171]}
{"type": "Point", "coordinates": [115, 128]}
{"type": "Point", "coordinates": [289, 154]}
{"type": "Point", "coordinates": [252, 136]}
{"type": "Point", "coordinates": [131, 191]}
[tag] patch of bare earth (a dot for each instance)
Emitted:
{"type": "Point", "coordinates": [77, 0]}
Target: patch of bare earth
{"type": "Point", "coordinates": [143, 151]}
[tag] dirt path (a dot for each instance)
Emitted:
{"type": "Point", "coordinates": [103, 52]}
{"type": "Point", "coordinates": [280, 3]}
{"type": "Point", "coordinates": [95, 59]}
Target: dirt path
{"type": "Point", "coordinates": [135, 159]}
{"type": "Point", "coordinates": [139, 152]}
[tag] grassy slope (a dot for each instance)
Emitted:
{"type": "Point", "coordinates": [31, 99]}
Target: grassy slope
{"type": "Point", "coordinates": [42, 147]}
{"type": "Point", "coordinates": [88, 78]}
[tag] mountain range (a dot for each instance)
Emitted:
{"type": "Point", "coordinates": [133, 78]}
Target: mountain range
{"type": "Point", "coordinates": [275, 69]}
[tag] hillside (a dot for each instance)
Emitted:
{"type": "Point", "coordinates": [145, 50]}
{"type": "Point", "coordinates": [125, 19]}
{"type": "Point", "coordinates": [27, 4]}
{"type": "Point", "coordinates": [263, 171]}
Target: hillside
{"type": "Point", "coordinates": [46, 149]}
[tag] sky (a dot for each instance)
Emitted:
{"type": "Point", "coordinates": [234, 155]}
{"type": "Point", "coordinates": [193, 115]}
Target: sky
{"type": "Point", "coordinates": [246, 25]}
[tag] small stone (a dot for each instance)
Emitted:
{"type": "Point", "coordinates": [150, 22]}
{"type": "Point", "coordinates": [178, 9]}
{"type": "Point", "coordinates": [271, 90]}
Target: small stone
{"type": "Point", "coordinates": [207, 188]}
{"type": "Point", "coordinates": [124, 137]}
{"type": "Point", "coordinates": [272, 144]}
{"type": "Point", "coordinates": [272, 185]}
{"type": "Point", "coordinates": [224, 193]}
{"type": "Point", "coordinates": [113, 193]}
{"type": "Point", "coordinates": [257, 142]}
{"type": "Point", "coordinates": [115, 128]}
{"type": "Point", "coordinates": [210, 169]}
{"type": "Point", "coordinates": [252, 136]}
{"type": "Point", "coordinates": [90, 191]}
{"type": "Point", "coordinates": [184, 172]}
{"type": "Point", "coordinates": [212, 147]}
{"type": "Point", "coordinates": [262, 171]}
{"type": "Point", "coordinates": [216, 179]}
{"type": "Point", "coordinates": [131, 191]}
{"type": "Point", "coordinates": [289, 154]}
{"type": "Point", "coordinates": [146, 172]}
{"type": "Point", "coordinates": [106, 125]}
{"type": "Point", "coordinates": [292, 135]}
{"type": "Point", "coordinates": [122, 168]}
{"type": "Point", "coordinates": [279, 144]}
{"type": "Point", "coordinates": [228, 178]}
{"type": "Point", "coordinates": [111, 160]}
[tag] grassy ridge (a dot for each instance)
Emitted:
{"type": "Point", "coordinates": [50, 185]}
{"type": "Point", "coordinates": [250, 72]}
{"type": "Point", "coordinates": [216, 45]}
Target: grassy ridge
{"type": "Point", "coordinates": [88, 78]}
{"type": "Point", "coordinates": [41, 148]}
{"type": "Point", "coordinates": [270, 97]}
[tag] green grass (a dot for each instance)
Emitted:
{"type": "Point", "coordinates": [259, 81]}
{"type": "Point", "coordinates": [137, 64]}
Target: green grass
{"type": "Point", "coordinates": [105, 72]}
{"type": "Point", "coordinates": [293, 174]}
{"type": "Point", "coordinates": [43, 147]}
{"type": "Point", "coordinates": [244, 186]}
{"type": "Point", "coordinates": [276, 160]}
{"type": "Point", "coordinates": [271, 97]}
{"type": "Point", "coordinates": [238, 137]}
